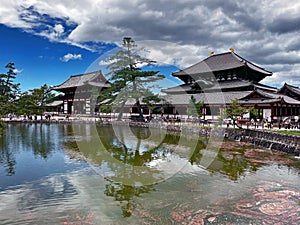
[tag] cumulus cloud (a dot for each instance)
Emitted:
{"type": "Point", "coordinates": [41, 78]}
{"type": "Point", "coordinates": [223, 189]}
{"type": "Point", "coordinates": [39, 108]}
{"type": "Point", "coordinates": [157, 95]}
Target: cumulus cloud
{"type": "Point", "coordinates": [71, 56]}
{"type": "Point", "coordinates": [181, 32]}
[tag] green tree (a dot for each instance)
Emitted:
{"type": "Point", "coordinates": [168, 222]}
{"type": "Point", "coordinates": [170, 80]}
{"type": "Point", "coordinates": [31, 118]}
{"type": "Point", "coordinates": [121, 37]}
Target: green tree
{"type": "Point", "coordinates": [34, 101]}
{"type": "Point", "coordinates": [235, 110]}
{"type": "Point", "coordinates": [195, 108]}
{"type": "Point", "coordinates": [128, 80]}
{"type": "Point", "coordinates": [9, 91]}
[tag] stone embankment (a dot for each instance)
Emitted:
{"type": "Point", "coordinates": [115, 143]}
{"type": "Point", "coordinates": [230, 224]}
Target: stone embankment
{"type": "Point", "coordinates": [262, 138]}
{"type": "Point", "coordinates": [267, 139]}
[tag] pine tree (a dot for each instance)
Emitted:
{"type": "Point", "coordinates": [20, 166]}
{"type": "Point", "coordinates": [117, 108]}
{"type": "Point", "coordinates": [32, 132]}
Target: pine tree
{"type": "Point", "coordinates": [9, 91]}
{"type": "Point", "coordinates": [128, 80]}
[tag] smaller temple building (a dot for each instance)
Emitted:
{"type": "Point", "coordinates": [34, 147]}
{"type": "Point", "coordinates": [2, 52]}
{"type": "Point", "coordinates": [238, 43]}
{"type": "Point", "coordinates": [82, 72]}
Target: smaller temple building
{"type": "Point", "coordinates": [81, 91]}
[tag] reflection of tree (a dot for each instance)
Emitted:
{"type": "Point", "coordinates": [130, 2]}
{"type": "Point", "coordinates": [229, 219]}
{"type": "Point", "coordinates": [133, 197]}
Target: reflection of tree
{"type": "Point", "coordinates": [135, 157]}
{"type": "Point", "coordinates": [196, 156]}
{"type": "Point", "coordinates": [125, 194]}
{"type": "Point", "coordinates": [234, 167]}
{"type": "Point", "coordinates": [232, 164]}
{"type": "Point", "coordinates": [7, 158]}
{"type": "Point", "coordinates": [38, 138]}
{"type": "Point", "coordinates": [41, 141]}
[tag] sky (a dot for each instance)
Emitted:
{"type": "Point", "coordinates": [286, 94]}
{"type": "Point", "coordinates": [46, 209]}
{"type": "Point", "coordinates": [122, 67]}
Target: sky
{"type": "Point", "coordinates": [50, 40]}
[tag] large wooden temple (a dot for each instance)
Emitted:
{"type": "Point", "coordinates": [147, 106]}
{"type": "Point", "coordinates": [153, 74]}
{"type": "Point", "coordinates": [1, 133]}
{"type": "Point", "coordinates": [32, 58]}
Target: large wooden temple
{"type": "Point", "coordinates": [221, 78]}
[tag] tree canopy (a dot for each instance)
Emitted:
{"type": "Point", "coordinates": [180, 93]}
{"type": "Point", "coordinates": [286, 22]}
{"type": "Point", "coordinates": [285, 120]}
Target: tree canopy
{"type": "Point", "coordinates": [34, 101]}
{"type": "Point", "coordinates": [12, 101]}
{"type": "Point", "coordinates": [129, 80]}
{"type": "Point", "coordinates": [235, 110]}
{"type": "Point", "coordinates": [9, 90]}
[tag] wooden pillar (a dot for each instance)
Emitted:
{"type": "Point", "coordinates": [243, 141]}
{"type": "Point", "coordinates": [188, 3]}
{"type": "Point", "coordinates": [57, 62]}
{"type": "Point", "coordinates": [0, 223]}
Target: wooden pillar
{"type": "Point", "coordinates": [65, 107]}
{"type": "Point", "coordinates": [88, 106]}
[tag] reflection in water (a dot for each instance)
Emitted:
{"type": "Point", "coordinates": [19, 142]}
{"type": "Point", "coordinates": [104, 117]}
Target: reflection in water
{"type": "Point", "coordinates": [140, 176]}
{"type": "Point", "coordinates": [40, 139]}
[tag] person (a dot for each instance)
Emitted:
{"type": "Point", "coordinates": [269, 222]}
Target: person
{"type": "Point", "coordinates": [297, 122]}
{"type": "Point", "coordinates": [280, 123]}
{"type": "Point", "coordinates": [227, 123]}
{"type": "Point", "coordinates": [269, 122]}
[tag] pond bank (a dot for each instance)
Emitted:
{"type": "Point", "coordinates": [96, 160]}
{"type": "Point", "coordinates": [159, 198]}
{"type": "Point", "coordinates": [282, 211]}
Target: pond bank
{"type": "Point", "coordinates": [263, 138]}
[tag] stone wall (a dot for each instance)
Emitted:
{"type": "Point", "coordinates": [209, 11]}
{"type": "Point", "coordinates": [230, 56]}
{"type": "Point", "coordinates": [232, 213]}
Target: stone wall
{"type": "Point", "coordinates": [267, 139]}
{"type": "Point", "coordinates": [262, 138]}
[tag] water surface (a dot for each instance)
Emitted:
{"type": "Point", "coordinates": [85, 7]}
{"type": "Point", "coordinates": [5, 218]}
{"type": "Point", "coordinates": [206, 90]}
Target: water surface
{"type": "Point", "coordinates": [80, 174]}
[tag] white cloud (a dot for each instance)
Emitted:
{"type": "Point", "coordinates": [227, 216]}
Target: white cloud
{"type": "Point", "coordinates": [175, 32]}
{"type": "Point", "coordinates": [71, 56]}
{"type": "Point", "coordinates": [18, 71]}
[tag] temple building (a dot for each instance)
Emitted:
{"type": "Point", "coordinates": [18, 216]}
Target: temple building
{"type": "Point", "coordinates": [216, 81]}
{"type": "Point", "coordinates": [221, 78]}
{"type": "Point", "coordinates": [81, 91]}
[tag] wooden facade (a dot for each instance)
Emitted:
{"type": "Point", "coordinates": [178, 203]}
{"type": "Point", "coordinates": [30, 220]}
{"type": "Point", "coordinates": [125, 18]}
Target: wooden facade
{"type": "Point", "coordinates": [81, 91]}
{"type": "Point", "coordinates": [219, 79]}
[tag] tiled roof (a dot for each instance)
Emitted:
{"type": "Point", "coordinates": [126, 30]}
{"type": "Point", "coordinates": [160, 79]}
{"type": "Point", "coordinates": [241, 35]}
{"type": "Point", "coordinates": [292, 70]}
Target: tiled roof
{"type": "Point", "coordinates": [291, 88]}
{"type": "Point", "coordinates": [221, 85]}
{"type": "Point", "coordinates": [83, 79]}
{"type": "Point", "coordinates": [229, 84]}
{"type": "Point", "coordinates": [219, 62]}
{"type": "Point", "coordinates": [180, 88]}
{"type": "Point", "coordinates": [207, 98]}
{"type": "Point", "coordinates": [267, 97]}
{"type": "Point", "coordinates": [265, 87]}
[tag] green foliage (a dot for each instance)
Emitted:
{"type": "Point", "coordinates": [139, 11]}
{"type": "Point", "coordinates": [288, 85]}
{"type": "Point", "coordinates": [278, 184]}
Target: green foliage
{"type": "Point", "coordinates": [128, 80]}
{"type": "Point", "coordinates": [235, 110]}
{"type": "Point", "coordinates": [195, 108]}
{"type": "Point", "coordinates": [34, 101]}
{"type": "Point", "coordinates": [253, 112]}
{"type": "Point", "coordinates": [9, 91]}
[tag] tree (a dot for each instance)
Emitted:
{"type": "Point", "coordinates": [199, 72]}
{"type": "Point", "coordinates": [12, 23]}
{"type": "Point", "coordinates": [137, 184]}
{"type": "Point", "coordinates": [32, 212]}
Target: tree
{"type": "Point", "coordinates": [195, 108]}
{"type": "Point", "coordinates": [34, 101]}
{"type": "Point", "coordinates": [9, 91]}
{"type": "Point", "coordinates": [128, 80]}
{"type": "Point", "coordinates": [235, 110]}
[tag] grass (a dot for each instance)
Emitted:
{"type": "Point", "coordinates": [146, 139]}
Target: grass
{"type": "Point", "coordinates": [291, 132]}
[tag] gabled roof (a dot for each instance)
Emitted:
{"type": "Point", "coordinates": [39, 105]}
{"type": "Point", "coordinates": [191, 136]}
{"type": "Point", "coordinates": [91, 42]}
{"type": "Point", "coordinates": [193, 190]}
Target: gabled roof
{"type": "Point", "coordinates": [290, 88]}
{"type": "Point", "coordinates": [259, 96]}
{"type": "Point", "coordinates": [229, 85]}
{"type": "Point", "coordinates": [94, 78]}
{"type": "Point", "coordinates": [219, 62]}
{"type": "Point", "coordinates": [207, 98]}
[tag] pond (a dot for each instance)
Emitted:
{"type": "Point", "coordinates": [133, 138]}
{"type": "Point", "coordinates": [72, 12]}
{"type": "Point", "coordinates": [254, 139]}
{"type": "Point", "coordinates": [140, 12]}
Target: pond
{"type": "Point", "coordinates": [86, 174]}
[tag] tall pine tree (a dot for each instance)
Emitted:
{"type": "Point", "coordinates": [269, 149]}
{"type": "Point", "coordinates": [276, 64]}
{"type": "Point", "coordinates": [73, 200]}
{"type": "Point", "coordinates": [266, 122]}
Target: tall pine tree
{"type": "Point", "coordinates": [9, 91]}
{"type": "Point", "coordinates": [128, 79]}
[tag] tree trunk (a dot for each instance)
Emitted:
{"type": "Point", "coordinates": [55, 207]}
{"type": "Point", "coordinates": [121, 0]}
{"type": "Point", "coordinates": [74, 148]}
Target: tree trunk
{"type": "Point", "coordinates": [139, 107]}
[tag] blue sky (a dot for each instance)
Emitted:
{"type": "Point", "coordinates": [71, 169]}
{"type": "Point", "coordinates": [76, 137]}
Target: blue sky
{"type": "Point", "coordinates": [50, 40]}
{"type": "Point", "coordinates": [40, 61]}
